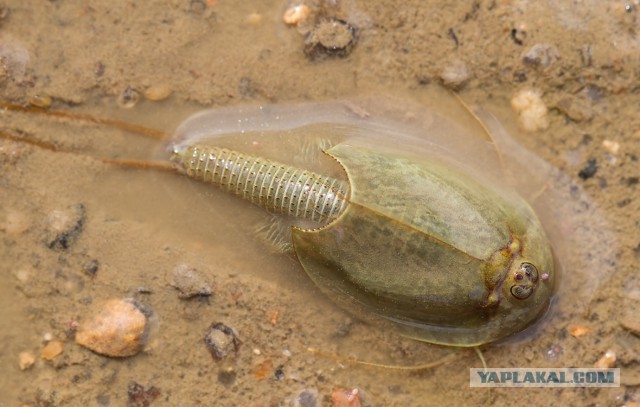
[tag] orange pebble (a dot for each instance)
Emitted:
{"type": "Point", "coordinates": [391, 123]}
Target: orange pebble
{"type": "Point", "coordinates": [263, 370]}
{"type": "Point", "coordinates": [52, 350]}
{"type": "Point", "coordinates": [579, 330]}
{"type": "Point", "coordinates": [273, 317]}
{"type": "Point", "coordinates": [607, 361]}
{"type": "Point", "coordinates": [119, 329]}
{"type": "Point", "coordinates": [346, 398]}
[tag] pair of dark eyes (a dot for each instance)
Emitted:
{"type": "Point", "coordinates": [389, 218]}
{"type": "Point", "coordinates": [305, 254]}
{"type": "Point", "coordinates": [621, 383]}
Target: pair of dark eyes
{"type": "Point", "coordinates": [526, 278]}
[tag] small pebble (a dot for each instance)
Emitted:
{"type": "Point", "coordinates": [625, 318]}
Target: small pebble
{"type": "Point", "coordinates": [227, 376]}
{"type": "Point", "coordinates": [540, 55]}
{"type": "Point", "coordinates": [189, 283]}
{"type": "Point", "coordinates": [248, 87]}
{"type": "Point", "coordinates": [346, 398]}
{"type": "Point", "coordinates": [158, 92]}
{"type": "Point", "coordinates": [63, 227]}
{"type": "Point", "coordinates": [455, 75]}
{"type": "Point", "coordinates": [611, 146]}
{"type": "Point", "coordinates": [529, 354]}
{"type": "Point", "coordinates": [139, 396]}
{"type": "Point", "coordinates": [330, 38]}
{"type": "Point", "coordinates": [120, 328]}
{"type": "Point", "coordinates": [26, 360]}
{"type": "Point", "coordinates": [295, 15]}
{"type": "Point", "coordinates": [519, 33]}
{"type": "Point", "coordinates": [306, 398]}
{"type": "Point", "coordinates": [272, 316]}
{"type": "Point", "coordinates": [51, 350]}
{"type": "Point", "coordinates": [589, 169]}
{"type": "Point", "coordinates": [221, 340]}
{"type": "Point", "coordinates": [128, 98]}
{"type": "Point", "coordinates": [575, 109]}
{"type": "Point", "coordinates": [42, 101]}
{"type": "Point", "coordinates": [143, 290]}
{"type": "Point", "coordinates": [531, 110]}
{"type": "Point", "coordinates": [553, 352]}
{"type": "Point", "coordinates": [579, 330]}
{"type": "Point", "coordinates": [279, 374]}
{"type": "Point", "coordinates": [344, 327]}
{"type": "Point", "coordinates": [607, 361]}
{"type": "Point", "coordinates": [91, 267]}
{"type": "Point", "coordinates": [263, 369]}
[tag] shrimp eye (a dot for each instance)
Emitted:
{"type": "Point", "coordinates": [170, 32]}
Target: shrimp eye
{"type": "Point", "coordinates": [530, 271]}
{"type": "Point", "coordinates": [521, 292]}
{"type": "Point", "coordinates": [525, 277]}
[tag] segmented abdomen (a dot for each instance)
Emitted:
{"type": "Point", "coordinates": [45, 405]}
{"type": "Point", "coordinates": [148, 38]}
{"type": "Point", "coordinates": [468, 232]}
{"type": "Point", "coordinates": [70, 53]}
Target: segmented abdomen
{"type": "Point", "coordinates": [275, 186]}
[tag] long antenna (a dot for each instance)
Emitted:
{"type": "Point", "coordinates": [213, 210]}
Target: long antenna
{"type": "Point", "coordinates": [124, 163]}
{"type": "Point", "coordinates": [484, 127]}
{"type": "Point", "coordinates": [451, 357]}
{"type": "Point", "coordinates": [144, 131]}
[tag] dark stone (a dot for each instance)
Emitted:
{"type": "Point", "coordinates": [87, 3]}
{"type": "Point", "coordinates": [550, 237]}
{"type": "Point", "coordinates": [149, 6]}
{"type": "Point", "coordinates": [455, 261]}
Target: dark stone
{"type": "Point", "coordinates": [306, 398]}
{"type": "Point", "coordinates": [279, 372]}
{"type": "Point", "coordinates": [91, 267]}
{"type": "Point", "coordinates": [589, 170]}
{"type": "Point", "coordinates": [63, 227]}
{"type": "Point", "coordinates": [138, 396]}
{"type": "Point", "coordinates": [190, 283]}
{"type": "Point", "coordinates": [631, 181]}
{"type": "Point", "coordinates": [227, 377]}
{"type": "Point", "coordinates": [221, 340]}
{"type": "Point", "coordinates": [330, 38]}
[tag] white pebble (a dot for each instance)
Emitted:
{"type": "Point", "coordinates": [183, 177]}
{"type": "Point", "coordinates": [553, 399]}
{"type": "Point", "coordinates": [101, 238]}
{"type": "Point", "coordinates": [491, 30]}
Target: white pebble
{"type": "Point", "coordinates": [532, 110]}
{"type": "Point", "coordinates": [607, 361]}
{"type": "Point", "coordinates": [296, 14]}
{"type": "Point", "coordinates": [158, 92]}
{"type": "Point", "coordinates": [455, 75]}
{"type": "Point", "coordinates": [611, 146]}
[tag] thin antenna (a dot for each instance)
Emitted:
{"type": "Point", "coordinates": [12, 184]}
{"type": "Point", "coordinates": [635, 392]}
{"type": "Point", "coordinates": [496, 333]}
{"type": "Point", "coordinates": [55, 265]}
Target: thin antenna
{"type": "Point", "coordinates": [40, 144]}
{"type": "Point", "coordinates": [416, 368]}
{"type": "Point", "coordinates": [141, 130]}
{"type": "Point", "coordinates": [124, 163]}
{"type": "Point", "coordinates": [484, 127]}
{"type": "Point", "coordinates": [139, 164]}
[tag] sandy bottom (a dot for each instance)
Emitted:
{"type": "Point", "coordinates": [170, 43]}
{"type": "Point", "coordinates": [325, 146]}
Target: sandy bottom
{"type": "Point", "coordinates": [76, 231]}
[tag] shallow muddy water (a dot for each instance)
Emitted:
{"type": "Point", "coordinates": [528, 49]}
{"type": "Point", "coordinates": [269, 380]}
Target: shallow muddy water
{"type": "Point", "coordinates": [132, 229]}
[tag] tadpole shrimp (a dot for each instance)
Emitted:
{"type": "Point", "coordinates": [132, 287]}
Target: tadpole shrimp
{"type": "Point", "coordinates": [331, 214]}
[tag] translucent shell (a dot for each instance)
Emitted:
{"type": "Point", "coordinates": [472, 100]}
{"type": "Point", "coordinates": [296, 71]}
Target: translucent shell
{"type": "Point", "coordinates": [428, 239]}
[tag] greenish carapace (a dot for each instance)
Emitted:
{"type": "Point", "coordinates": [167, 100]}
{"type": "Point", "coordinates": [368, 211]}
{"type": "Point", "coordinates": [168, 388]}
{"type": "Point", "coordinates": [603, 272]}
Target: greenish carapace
{"type": "Point", "coordinates": [430, 251]}
{"type": "Point", "coordinates": [408, 243]}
